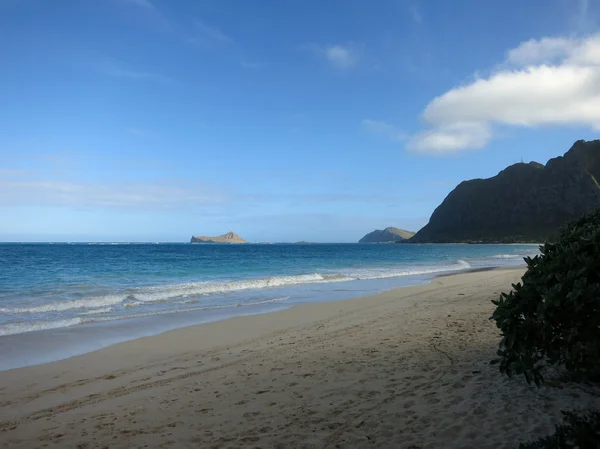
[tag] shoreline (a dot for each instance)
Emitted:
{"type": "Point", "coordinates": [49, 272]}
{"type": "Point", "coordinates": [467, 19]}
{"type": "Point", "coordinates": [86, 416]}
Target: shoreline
{"type": "Point", "coordinates": [44, 318]}
{"type": "Point", "coordinates": [40, 347]}
{"type": "Point", "coordinates": [408, 367]}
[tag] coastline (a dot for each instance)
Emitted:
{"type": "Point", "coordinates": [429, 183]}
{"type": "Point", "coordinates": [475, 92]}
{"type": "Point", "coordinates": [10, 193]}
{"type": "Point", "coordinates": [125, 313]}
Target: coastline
{"type": "Point", "coordinates": [96, 332]}
{"type": "Point", "coordinates": [125, 292]}
{"type": "Point", "coordinates": [406, 367]}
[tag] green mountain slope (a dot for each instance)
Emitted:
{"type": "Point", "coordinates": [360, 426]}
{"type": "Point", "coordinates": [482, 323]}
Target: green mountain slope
{"type": "Point", "coordinates": [523, 203]}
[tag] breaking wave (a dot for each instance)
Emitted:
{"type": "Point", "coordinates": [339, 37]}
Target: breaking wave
{"type": "Point", "coordinates": [508, 256]}
{"type": "Point", "coordinates": [134, 297]}
{"type": "Point", "coordinates": [90, 303]}
{"type": "Point", "coordinates": [20, 328]}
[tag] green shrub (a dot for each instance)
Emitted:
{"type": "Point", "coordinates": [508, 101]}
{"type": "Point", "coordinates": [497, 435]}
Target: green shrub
{"type": "Point", "coordinates": [577, 431]}
{"type": "Point", "coordinates": [553, 316]}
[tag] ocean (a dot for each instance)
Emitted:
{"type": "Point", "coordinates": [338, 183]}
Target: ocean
{"type": "Point", "coordinates": [59, 300]}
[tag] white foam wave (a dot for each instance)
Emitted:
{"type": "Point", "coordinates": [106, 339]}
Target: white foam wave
{"type": "Point", "coordinates": [97, 311]}
{"type": "Point", "coordinates": [184, 310]}
{"type": "Point", "coordinates": [21, 328]}
{"type": "Point", "coordinates": [163, 293]}
{"type": "Point", "coordinates": [90, 303]}
{"type": "Point", "coordinates": [266, 301]}
{"type": "Point", "coordinates": [167, 293]}
{"type": "Point", "coordinates": [507, 256]}
{"type": "Point", "coordinates": [383, 274]}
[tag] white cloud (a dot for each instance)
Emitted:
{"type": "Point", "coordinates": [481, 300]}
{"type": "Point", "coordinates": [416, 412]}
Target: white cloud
{"type": "Point", "coordinates": [342, 56]}
{"type": "Point", "coordinates": [383, 128]}
{"type": "Point", "coordinates": [451, 138]}
{"type": "Point", "coordinates": [546, 50]}
{"type": "Point", "coordinates": [551, 81]}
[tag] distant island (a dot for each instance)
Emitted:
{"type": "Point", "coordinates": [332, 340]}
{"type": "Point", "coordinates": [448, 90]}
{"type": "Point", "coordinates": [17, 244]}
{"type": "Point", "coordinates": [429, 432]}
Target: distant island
{"type": "Point", "coordinates": [387, 235]}
{"type": "Point", "coordinates": [524, 203]}
{"type": "Point", "coordinates": [230, 237]}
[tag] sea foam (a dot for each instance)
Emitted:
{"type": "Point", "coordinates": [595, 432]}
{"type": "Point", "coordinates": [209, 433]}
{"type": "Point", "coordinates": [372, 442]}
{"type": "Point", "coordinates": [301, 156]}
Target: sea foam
{"type": "Point", "coordinates": [165, 293]}
{"type": "Point", "coordinates": [61, 306]}
{"type": "Point", "coordinates": [20, 328]}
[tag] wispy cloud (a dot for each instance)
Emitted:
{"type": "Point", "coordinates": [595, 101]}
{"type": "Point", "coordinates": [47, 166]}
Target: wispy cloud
{"type": "Point", "coordinates": [583, 21]}
{"type": "Point", "coordinates": [342, 57]}
{"type": "Point", "coordinates": [142, 3]}
{"type": "Point", "coordinates": [385, 129]}
{"type": "Point", "coordinates": [163, 194]}
{"type": "Point", "coordinates": [96, 181]}
{"type": "Point", "coordinates": [416, 15]}
{"type": "Point", "coordinates": [152, 13]}
{"type": "Point", "coordinates": [324, 198]}
{"type": "Point", "coordinates": [339, 56]}
{"type": "Point", "coordinates": [544, 82]}
{"type": "Point", "coordinates": [209, 35]}
{"type": "Point", "coordinates": [195, 31]}
{"type": "Point", "coordinates": [119, 71]}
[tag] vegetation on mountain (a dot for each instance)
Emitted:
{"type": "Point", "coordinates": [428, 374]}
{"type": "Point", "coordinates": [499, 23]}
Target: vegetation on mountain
{"type": "Point", "coordinates": [523, 203]}
{"type": "Point", "coordinates": [387, 235]}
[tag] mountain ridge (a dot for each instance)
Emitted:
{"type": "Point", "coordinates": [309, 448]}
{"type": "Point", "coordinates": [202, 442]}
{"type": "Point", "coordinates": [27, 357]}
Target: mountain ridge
{"type": "Point", "coordinates": [525, 202]}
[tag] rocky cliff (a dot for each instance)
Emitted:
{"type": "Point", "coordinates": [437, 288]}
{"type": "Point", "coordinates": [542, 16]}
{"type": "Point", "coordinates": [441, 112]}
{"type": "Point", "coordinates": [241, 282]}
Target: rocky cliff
{"type": "Point", "coordinates": [387, 235]}
{"type": "Point", "coordinates": [523, 203]}
{"type": "Point", "coordinates": [230, 237]}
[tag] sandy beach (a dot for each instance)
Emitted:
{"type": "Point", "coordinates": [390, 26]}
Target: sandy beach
{"type": "Point", "coordinates": [405, 369]}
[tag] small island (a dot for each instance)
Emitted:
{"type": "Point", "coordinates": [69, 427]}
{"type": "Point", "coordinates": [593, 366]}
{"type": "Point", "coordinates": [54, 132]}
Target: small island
{"type": "Point", "coordinates": [387, 235]}
{"type": "Point", "coordinates": [230, 237]}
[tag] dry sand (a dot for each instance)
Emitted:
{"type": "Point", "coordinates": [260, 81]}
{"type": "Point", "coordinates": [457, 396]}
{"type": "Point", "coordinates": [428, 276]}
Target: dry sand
{"type": "Point", "coordinates": [405, 369]}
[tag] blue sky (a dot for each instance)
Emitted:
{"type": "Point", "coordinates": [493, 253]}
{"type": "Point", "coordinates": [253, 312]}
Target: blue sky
{"type": "Point", "coordinates": [152, 120]}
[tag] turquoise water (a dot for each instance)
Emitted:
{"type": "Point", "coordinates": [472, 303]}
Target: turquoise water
{"type": "Point", "coordinates": [105, 293]}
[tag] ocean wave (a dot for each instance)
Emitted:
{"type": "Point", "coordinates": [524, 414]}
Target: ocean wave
{"type": "Point", "coordinates": [21, 328]}
{"type": "Point", "coordinates": [138, 296]}
{"type": "Point", "coordinates": [132, 304]}
{"type": "Point", "coordinates": [189, 309]}
{"type": "Point", "coordinates": [97, 311]}
{"type": "Point", "coordinates": [90, 303]}
{"type": "Point", "coordinates": [266, 301]}
{"type": "Point", "coordinates": [170, 292]}
{"type": "Point", "coordinates": [507, 256]}
{"type": "Point", "coordinates": [368, 274]}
